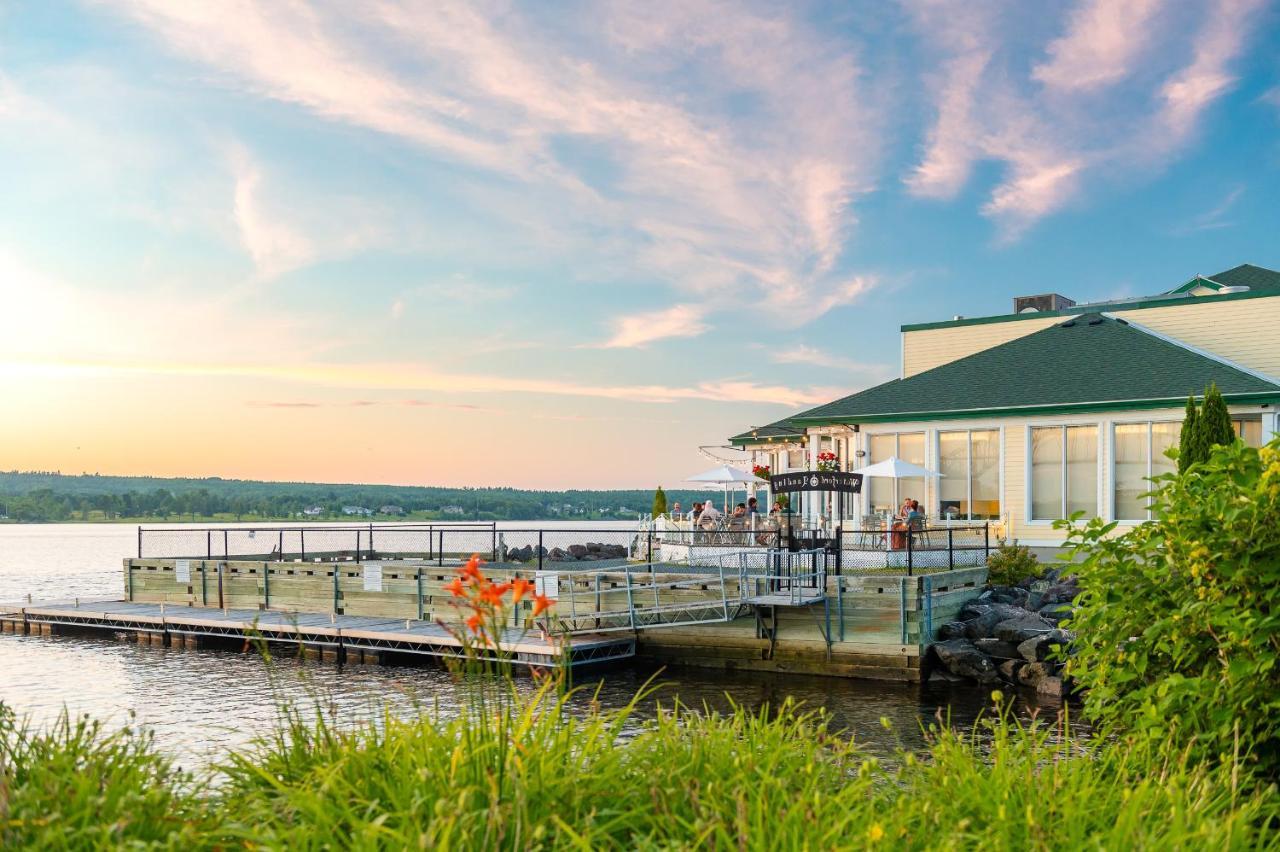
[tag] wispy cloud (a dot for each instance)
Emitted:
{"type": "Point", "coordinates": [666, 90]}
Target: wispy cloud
{"type": "Point", "coordinates": [642, 329]}
{"type": "Point", "coordinates": [803, 353]}
{"type": "Point", "coordinates": [768, 194]}
{"type": "Point", "coordinates": [1214, 218]}
{"type": "Point", "coordinates": [1103, 39]}
{"type": "Point", "coordinates": [1113, 97]}
{"type": "Point", "coordinates": [274, 245]}
{"type": "Point", "coordinates": [419, 377]}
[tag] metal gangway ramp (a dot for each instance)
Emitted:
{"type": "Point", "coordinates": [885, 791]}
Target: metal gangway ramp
{"type": "Point", "coordinates": [656, 595]}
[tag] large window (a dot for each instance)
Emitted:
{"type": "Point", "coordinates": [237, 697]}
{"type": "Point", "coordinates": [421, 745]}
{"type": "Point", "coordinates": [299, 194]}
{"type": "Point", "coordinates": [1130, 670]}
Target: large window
{"type": "Point", "coordinates": [887, 494]}
{"type": "Point", "coordinates": [970, 466]}
{"type": "Point", "coordinates": [1249, 430]}
{"type": "Point", "coordinates": [1064, 471]}
{"type": "Point", "coordinates": [1139, 455]}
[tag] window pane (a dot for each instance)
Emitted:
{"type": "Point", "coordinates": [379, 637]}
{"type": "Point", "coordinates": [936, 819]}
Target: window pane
{"type": "Point", "coordinates": [1046, 473]}
{"type": "Point", "coordinates": [985, 471]}
{"type": "Point", "coordinates": [911, 449]}
{"type": "Point", "coordinates": [795, 460]}
{"type": "Point", "coordinates": [881, 491]}
{"type": "Point", "coordinates": [1164, 436]}
{"type": "Point", "coordinates": [1250, 431]}
{"type": "Point", "coordinates": [1082, 470]}
{"type": "Point", "coordinates": [953, 464]}
{"type": "Point", "coordinates": [1131, 472]}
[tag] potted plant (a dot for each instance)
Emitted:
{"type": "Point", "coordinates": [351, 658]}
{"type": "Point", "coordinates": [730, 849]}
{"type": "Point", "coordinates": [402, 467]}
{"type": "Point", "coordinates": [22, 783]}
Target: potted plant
{"type": "Point", "coordinates": [828, 462]}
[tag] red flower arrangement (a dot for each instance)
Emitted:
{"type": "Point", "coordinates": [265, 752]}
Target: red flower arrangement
{"type": "Point", "coordinates": [761, 471]}
{"type": "Point", "coordinates": [828, 462]}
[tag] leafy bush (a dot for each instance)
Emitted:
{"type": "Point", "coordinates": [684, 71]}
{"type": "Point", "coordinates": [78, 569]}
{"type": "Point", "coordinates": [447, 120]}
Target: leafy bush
{"type": "Point", "coordinates": [1010, 564]}
{"type": "Point", "coordinates": [1178, 623]}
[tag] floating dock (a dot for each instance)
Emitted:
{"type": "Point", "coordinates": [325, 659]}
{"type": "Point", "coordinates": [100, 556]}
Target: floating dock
{"type": "Point", "coordinates": [330, 636]}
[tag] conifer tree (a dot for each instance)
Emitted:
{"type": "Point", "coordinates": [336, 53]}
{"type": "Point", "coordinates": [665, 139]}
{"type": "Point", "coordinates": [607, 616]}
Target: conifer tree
{"type": "Point", "coordinates": [1187, 451]}
{"type": "Point", "coordinates": [659, 502]}
{"type": "Point", "coordinates": [1215, 421]}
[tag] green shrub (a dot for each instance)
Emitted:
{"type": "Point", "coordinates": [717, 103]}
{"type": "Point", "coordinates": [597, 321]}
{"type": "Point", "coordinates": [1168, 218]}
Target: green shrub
{"type": "Point", "coordinates": [1178, 622]}
{"type": "Point", "coordinates": [1010, 564]}
{"type": "Point", "coordinates": [1189, 446]}
{"type": "Point", "coordinates": [659, 502]}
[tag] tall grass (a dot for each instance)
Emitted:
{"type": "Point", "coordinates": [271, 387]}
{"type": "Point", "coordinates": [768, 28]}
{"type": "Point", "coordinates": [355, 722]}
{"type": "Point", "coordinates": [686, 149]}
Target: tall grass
{"type": "Point", "coordinates": [526, 773]}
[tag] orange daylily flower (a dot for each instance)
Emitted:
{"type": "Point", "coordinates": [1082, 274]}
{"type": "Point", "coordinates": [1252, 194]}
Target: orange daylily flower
{"type": "Point", "coordinates": [492, 594]}
{"type": "Point", "coordinates": [455, 588]}
{"type": "Point", "coordinates": [520, 588]}
{"type": "Point", "coordinates": [475, 622]}
{"type": "Point", "coordinates": [540, 603]}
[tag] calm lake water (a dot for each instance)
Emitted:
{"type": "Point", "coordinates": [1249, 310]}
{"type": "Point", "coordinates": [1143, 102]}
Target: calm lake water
{"type": "Point", "coordinates": [202, 703]}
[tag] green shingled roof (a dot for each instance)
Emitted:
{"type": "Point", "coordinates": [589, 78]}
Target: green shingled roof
{"type": "Point", "coordinates": [1256, 278]}
{"type": "Point", "coordinates": [1086, 362]}
{"type": "Point", "coordinates": [780, 431]}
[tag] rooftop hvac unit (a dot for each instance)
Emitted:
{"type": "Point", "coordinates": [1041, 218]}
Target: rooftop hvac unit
{"type": "Point", "coordinates": [1044, 302]}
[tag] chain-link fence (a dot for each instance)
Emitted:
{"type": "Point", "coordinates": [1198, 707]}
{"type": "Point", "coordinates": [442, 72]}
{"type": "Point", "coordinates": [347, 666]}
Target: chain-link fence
{"type": "Point", "coordinates": [438, 542]}
{"type": "Point", "coordinates": [920, 550]}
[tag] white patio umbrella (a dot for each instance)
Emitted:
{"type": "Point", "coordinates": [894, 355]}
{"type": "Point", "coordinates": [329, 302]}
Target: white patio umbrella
{"type": "Point", "coordinates": [895, 468]}
{"type": "Point", "coordinates": [725, 477]}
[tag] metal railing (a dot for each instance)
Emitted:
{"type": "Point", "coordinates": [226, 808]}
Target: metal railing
{"type": "Point", "coordinates": [319, 543]}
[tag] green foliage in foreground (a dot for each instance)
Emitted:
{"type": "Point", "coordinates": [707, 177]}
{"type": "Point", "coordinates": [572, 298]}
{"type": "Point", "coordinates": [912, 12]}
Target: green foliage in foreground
{"type": "Point", "coordinates": [659, 502]}
{"type": "Point", "coordinates": [532, 775]}
{"type": "Point", "coordinates": [1178, 623]}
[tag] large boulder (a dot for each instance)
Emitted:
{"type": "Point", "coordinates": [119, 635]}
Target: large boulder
{"type": "Point", "coordinates": [577, 551]}
{"type": "Point", "coordinates": [1064, 592]}
{"type": "Point", "coordinates": [1056, 611]}
{"type": "Point", "coordinates": [1032, 673]}
{"type": "Point", "coordinates": [997, 648]}
{"type": "Point", "coordinates": [1052, 686]}
{"type": "Point", "coordinates": [952, 630]}
{"type": "Point", "coordinates": [1008, 670]}
{"type": "Point", "coordinates": [1021, 628]}
{"type": "Point", "coordinates": [1010, 595]}
{"type": "Point", "coordinates": [982, 624]}
{"type": "Point", "coordinates": [960, 657]}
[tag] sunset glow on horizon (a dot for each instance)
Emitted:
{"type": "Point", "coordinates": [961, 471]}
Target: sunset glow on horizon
{"type": "Point", "coordinates": [563, 247]}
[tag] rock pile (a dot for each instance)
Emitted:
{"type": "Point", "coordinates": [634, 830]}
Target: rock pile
{"type": "Point", "coordinates": [589, 552]}
{"type": "Point", "coordinates": [1007, 634]}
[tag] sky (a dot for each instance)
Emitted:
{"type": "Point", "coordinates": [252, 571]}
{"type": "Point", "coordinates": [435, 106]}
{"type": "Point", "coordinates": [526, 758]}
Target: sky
{"type": "Point", "coordinates": [560, 245]}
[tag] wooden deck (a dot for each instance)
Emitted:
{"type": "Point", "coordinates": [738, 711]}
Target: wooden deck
{"type": "Point", "coordinates": [340, 633]}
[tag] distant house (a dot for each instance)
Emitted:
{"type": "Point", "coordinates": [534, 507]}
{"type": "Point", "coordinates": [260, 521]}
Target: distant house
{"type": "Point", "coordinates": [452, 510]}
{"type": "Point", "coordinates": [313, 511]}
{"type": "Point", "coordinates": [356, 510]}
{"type": "Point", "coordinates": [391, 510]}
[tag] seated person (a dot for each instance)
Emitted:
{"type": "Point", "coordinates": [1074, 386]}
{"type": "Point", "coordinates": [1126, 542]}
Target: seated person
{"type": "Point", "coordinates": [675, 509]}
{"type": "Point", "coordinates": [915, 518]}
{"type": "Point", "coordinates": [740, 510]}
{"type": "Point", "coordinates": [697, 512]}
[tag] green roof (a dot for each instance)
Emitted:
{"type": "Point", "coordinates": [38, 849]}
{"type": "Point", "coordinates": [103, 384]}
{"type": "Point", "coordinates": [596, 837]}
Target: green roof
{"type": "Point", "coordinates": [1088, 362]}
{"type": "Point", "coordinates": [780, 431]}
{"type": "Point", "coordinates": [1260, 281]}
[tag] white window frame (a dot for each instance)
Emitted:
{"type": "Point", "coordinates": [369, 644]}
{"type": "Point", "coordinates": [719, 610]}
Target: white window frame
{"type": "Point", "coordinates": [897, 451]}
{"type": "Point", "coordinates": [1101, 507]}
{"type": "Point", "coordinates": [968, 471]}
{"type": "Point", "coordinates": [1111, 502]}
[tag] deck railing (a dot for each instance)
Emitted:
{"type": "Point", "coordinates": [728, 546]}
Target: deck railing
{"type": "Point", "coordinates": [849, 549]}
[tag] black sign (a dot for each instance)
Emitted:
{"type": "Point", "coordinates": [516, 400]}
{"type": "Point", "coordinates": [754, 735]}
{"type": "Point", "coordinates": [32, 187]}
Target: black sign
{"type": "Point", "coordinates": [816, 480]}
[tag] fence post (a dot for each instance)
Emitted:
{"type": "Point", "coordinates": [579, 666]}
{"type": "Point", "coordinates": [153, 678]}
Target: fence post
{"type": "Point", "coordinates": [649, 552]}
{"type": "Point", "coordinates": [372, 553]}
{"type": "Point", "coordinates": [419, 578]}
{"type": "Point", "coordinates": [839, 550]}
{"type": "Point", "coordinates": [357, 545]}
{"type": "Point", "coordinates": [208, 544]}
{"type": "Point", "coordinates": [910, 552]}
{"type": "Point", "coordinates": [540, 550]}
{"type": "Point", "coordinates": [281, 546]}
{"type": "Point", "coordinates": [951, 550]}
{"type": "Point", "coordinates": [440, 549]}
{"type": "Point", "coordinates": [302, 543]}
{"type": "Point", "coordinates": [495, 542]}
{"type": "Point", "coordinates": [986, 543]}
{"type": "Point", "coordinates": [266, 585]}
{"type": "Point", "coordinates": [139, 541]}
{"type": "Point", "coordinates": [226, 549]}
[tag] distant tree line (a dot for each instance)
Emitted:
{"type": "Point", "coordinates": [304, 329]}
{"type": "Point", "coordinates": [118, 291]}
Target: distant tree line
{"type": "Point", "coordinates": [38, 496]}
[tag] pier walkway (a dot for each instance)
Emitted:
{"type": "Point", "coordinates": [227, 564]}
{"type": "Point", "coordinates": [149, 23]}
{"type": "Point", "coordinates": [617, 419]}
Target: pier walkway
{"type": "Point", "coordinates": [341, 634]}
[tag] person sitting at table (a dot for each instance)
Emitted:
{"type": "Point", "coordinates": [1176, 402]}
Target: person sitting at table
{"type": "Point", "coordinates": [776, 510]}
{"type": "Point", "coordinates": [697, 511]}
{"type": "Point", "coordinates": [709, 511]}
{"type": "Point", "coordinates": [740, 510]}
{"type": "Point", "coordinates": [901, 523]}
{"type": "Point", "coordinates": [915, 518]}
{"type": "Point", "coordinates": [675, 509]}
{"type": "Point", "coordinates": [753, 507]}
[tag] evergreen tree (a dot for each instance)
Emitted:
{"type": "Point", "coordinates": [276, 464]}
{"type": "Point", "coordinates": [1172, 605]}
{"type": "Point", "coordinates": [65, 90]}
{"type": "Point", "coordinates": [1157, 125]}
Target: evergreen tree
{"type": "Point", "coordinates": [1215, 421]}
{"type": "Point", "coordinates": [659, 502]}
{"type": "Point", "coordinates": [1187, 451]}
